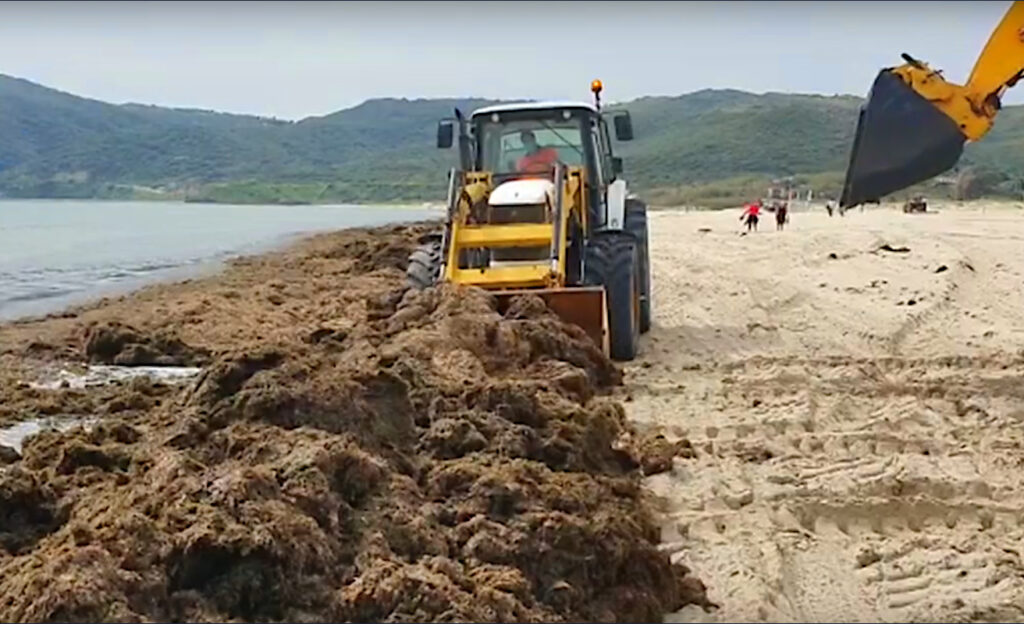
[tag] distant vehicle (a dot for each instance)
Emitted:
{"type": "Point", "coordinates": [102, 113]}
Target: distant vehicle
{"type": "Point", "coordinates": [780, 193]}
{"type": "Point", "coordinates": [915, 204]}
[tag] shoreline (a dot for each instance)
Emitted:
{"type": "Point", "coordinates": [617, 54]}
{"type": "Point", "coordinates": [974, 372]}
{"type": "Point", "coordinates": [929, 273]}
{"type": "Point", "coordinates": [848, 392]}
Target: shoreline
{"type": "Point", "coordinates": [409, 205]}
{"type": "Point", "coordinates": [76, 281]}
{"type": "Point", "coordinates": [207, 268]}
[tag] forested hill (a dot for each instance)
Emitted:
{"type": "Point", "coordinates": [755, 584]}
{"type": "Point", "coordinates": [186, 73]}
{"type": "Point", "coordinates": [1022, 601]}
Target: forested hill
{"type": "Point", "coordinates": [54, 144]}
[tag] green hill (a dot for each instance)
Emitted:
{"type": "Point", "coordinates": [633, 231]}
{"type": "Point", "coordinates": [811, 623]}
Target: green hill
{"type": "Point", "coordinates": [710, 135]}
{"type": "Point", "coordinates": [706, 144]}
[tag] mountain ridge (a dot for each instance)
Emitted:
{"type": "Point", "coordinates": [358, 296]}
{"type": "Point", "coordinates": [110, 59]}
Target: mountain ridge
{"type": "Point", "coordinates": [57, 144]}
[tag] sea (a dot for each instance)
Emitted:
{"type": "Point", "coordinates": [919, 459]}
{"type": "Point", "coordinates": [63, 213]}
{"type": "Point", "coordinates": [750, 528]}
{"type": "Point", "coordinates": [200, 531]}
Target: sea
{"type": "Point", "coordinates": [57, 253]}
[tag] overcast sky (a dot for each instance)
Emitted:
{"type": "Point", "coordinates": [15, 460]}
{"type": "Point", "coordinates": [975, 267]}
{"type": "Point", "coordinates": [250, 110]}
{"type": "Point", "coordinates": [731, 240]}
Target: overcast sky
{"type": "Point", "coordinates": [295, 59]}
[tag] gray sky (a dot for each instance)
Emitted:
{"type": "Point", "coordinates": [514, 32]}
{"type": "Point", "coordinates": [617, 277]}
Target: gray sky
{"type": "Point", "coordinates": [294, 59]}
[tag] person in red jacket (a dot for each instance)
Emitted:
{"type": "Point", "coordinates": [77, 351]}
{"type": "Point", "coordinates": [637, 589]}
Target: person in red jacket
{"type": "Point", "coordinates": [537, 159]}
{"type": "Point", "coordinates": [751, 214]}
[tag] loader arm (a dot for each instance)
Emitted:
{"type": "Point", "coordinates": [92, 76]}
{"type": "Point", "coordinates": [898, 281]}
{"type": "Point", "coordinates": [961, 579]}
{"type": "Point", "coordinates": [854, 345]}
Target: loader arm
{"type": "Point", "coordinates": [1001, 61]}
{"type": "Point", "coordinates": [915, 123]}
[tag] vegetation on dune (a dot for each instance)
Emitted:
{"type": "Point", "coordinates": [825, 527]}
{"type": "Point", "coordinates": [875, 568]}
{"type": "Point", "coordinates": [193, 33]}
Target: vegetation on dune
{"type": "Point", "coordinates": [712, 148]}
{"type": "Point", "coordinates": [714, 135]}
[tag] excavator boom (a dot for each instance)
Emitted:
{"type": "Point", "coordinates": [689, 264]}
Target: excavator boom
{"type": "Point", "coordinates": [915, 123]}
{"type": "Point", "coordinates": [1002, 58]}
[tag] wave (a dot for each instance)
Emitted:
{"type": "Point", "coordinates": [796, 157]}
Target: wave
{"type": "Point", "coordinates": [39, 294]}
{"type": "Point", "coordinates": [42, 283]}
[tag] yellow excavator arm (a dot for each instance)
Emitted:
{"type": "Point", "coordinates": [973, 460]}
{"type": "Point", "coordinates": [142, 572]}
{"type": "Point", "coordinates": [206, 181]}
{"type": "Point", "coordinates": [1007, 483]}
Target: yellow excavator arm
{"type": "Point", "coordinates": [915, 123]}
{"type": "Point", "coordinates": [1001, 61]}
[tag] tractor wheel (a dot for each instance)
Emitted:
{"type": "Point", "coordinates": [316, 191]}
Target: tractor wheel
{"type": "Point", "coordinates": [612, 261]}
{"type": "Point", "coordinates": [424, 264]}
{"type": "Point", "coordinates": [636, 224]}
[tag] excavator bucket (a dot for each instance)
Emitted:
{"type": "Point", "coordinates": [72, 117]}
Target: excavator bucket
{"type": "Point", "coordinates": [901, 139]}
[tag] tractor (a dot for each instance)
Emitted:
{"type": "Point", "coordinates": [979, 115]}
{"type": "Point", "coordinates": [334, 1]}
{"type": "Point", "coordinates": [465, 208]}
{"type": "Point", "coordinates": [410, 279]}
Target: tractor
{"type": "Point", "coordinates": [538, 205]}
{"type": "Point", "coordinates": [916, 204]}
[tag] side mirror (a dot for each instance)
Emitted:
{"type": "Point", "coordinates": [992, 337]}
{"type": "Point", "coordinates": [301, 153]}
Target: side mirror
{"type": "Point", "coordinates": [445, 134]}
{"type": "Point", "coordinates": [623, 127]}
{"type": "Point", "coordinates": [616, 165]}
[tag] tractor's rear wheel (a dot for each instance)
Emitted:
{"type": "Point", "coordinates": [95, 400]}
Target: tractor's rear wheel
{"type": "Point", "coordinates": [612, 261]}
{"type": "Point", "coordinates": [424, 264]}
{"type": "Point", "coordinates": [636, 224]}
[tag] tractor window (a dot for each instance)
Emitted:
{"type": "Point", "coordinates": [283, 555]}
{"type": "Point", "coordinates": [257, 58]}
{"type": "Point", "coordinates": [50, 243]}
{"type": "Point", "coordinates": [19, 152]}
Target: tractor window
{"type": "Point", "coordinates": [503, 150]}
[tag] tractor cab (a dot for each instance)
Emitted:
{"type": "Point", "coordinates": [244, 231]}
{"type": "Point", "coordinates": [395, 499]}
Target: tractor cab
{"type": "Point", "coordinates": [521, 141]}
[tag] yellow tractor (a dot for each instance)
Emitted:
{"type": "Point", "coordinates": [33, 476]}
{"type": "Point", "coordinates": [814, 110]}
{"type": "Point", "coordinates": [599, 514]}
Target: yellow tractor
{"type": "Point", "coordinates": [538, 204]}
{"type": "Point", "coordinates": [914, 124]}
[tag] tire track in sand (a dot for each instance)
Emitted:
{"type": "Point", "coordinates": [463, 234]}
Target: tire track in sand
{"type": "Point", "coordinates": [876, 479]}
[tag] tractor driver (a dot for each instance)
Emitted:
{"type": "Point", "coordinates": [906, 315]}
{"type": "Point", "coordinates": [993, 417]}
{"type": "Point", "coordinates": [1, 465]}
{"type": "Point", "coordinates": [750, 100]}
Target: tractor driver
{"type": "Point", "coordinates": [537, 159]}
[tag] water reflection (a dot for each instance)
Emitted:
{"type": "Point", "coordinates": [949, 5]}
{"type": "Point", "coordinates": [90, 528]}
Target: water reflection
{"type": "Point", "coordinates": [14, 436]}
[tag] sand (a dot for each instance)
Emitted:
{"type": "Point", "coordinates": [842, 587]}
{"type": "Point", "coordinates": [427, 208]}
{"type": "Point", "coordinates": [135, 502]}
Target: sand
{"type": "Point", "coordinates": [851, 388]}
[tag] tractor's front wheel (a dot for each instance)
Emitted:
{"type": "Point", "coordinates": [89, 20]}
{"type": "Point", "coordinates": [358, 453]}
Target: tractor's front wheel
{"type": "Point", "coordinates": [612, 261]}
{"type": "Point", "coordinates": [424, 265]}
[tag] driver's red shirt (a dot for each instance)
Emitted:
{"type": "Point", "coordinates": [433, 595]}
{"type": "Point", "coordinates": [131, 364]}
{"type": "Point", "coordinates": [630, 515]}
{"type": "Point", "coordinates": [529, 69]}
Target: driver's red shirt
{"type": "Point", "coordinates": [540, 161]}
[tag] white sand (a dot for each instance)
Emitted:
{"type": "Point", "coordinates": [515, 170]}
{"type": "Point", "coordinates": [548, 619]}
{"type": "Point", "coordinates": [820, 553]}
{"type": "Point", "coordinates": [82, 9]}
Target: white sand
{"type": "Point", "coordinates": [859, 458]}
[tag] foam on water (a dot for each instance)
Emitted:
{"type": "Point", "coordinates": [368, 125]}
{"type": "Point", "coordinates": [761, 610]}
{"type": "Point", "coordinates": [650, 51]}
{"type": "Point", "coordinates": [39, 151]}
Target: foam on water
{"type": "Point", "coordinates": [15, 435]}
{"type": "Point", "coordinates": [100, 374]}
{"type": "Point", "coordinates": [94, 375]}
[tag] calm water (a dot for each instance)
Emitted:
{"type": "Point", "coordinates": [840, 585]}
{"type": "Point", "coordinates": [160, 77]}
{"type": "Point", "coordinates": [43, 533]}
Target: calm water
{"type": "Point", "coordinates": [57, 253]}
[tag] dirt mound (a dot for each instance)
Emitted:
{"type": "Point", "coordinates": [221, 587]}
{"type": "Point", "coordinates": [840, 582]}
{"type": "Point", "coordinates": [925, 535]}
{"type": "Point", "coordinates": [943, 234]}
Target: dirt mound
{"type": "Point", "coordinates": [28, 510]}
{"type": "Point", "coordinates": [20, 401]}
{"type": "Point", "coordinates": [115, 343]}
{"type": "Point", "coordinates": [415, 456]}
{"type": "Point", "coordinates": [385, 248]}
{"type": "Point", "coordinates": [656, 452]}
{"type": "Point", "coordinates": [8, 455]}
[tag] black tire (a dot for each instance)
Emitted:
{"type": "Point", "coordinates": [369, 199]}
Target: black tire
{"type": "Point", "coordinates": [636, 224]}
{"type": "Point", "coordinates": [612, 261]}
{"type": "Point", "coordinates": [424, 264]}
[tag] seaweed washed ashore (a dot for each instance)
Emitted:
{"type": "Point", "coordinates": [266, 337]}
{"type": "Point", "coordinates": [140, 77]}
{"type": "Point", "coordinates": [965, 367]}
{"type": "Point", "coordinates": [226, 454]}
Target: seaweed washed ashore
{"type": "Point", "coordinates": [349, 450]}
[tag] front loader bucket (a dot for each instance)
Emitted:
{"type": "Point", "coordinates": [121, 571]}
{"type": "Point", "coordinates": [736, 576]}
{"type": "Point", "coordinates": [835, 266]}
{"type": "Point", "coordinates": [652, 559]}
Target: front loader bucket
{"type": "Point", "coordinates": [901, 139]}
{"type": "Point", "coordinates": [582, 305]}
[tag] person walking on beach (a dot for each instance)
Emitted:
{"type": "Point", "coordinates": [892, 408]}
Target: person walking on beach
{"type": "Point", "coordinates": [751, 213]}
{"type": "Point", "coordinates": [781, 216]}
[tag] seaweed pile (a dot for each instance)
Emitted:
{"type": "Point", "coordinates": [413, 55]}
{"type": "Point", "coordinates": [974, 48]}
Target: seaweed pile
{"type": "Point", "coordinates": [390, 455]}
